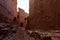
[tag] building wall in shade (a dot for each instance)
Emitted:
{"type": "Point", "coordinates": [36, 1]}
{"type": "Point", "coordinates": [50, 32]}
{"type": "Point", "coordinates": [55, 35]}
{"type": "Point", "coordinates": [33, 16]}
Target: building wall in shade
{"type": "Point", "coordinates": [8, 9]}
{"type": "Point", "coordinates": [44, 15]}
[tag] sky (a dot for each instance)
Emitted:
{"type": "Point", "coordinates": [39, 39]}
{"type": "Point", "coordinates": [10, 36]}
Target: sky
{"type": "Point", "coordinates": [24, 4]}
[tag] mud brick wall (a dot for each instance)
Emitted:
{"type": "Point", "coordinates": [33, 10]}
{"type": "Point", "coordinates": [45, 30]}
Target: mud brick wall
{"type": "Point", "coordinates": [44, 15]}
{"type": "Point", "coordinates": [8, 8]}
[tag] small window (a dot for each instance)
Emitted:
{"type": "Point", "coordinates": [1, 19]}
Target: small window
{"type": "Point", "coordinates": [21, 24]}
{"type": "Point", "coordinates": [17, 16]}
{"type": "Point", "coordinates": [25, 18]}
{"type": "Point", "coordinates": [14, 19]}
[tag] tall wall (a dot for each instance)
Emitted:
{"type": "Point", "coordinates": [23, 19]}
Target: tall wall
{"type": "Point", "coordinates": [14, 5]}
{"type": "Point", "coordinates": [44, 15]}
{"type": "Point", "coordinates": [7, 9]}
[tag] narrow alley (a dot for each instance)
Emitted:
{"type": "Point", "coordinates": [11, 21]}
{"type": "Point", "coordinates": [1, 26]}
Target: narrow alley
{"type": "Point", "coordinates": [29, 19]}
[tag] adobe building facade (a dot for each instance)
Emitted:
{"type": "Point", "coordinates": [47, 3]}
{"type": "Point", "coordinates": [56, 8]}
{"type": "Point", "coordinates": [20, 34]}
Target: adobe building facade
{"type": "Point", "coordinates": [8, 9]}
{"type": "Point", "coordinates": [22, 17]}
{"type": "Point", "coordinates": [44, 15]}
